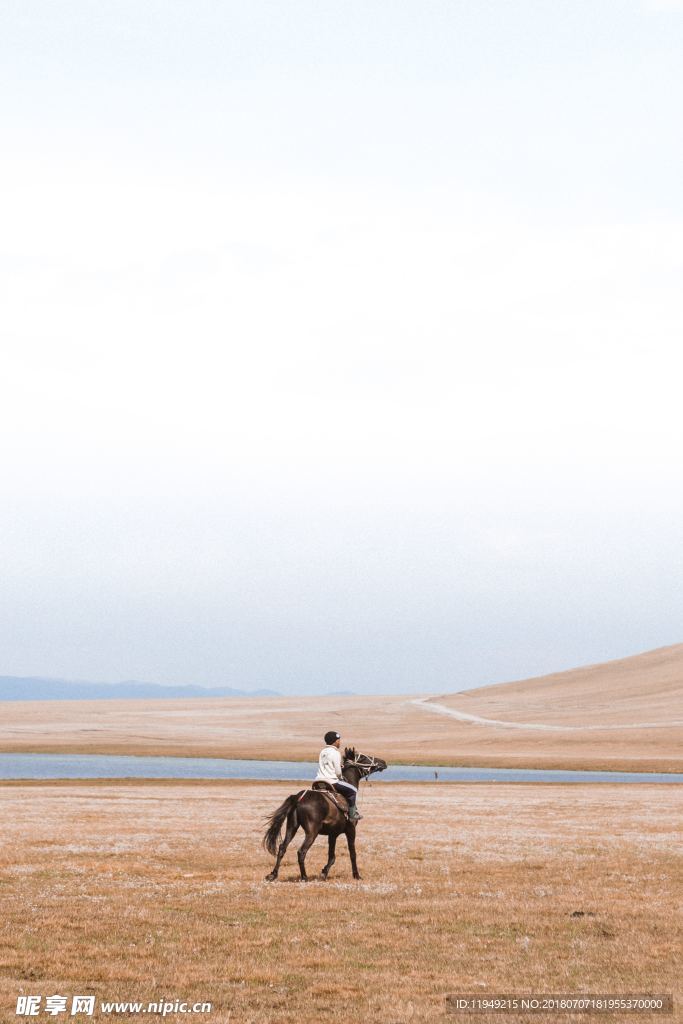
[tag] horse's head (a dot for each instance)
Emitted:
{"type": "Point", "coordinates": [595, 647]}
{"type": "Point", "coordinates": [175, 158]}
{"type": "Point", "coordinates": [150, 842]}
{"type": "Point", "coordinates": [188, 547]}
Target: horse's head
{"type": "Point", "coordinates": [365, 764]}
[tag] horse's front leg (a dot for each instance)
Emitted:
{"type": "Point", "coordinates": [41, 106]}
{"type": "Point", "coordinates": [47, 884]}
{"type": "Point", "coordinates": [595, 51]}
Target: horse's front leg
{"type": "Point", "coordinates": [351, 840]}
{"type": "Point", "coordinates": [302, 851]}
{"type": "Point", "coordinates": [331, 843]}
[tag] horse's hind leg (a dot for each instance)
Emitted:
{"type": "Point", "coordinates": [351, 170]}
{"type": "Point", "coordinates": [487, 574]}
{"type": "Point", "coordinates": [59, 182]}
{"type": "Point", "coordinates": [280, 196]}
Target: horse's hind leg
{"type": "Point", "coordinates": [331, 843]}
{"type": "Point", "coordinates": [292, 826]}
{"type": "Point", "coordinates": [303, 850]}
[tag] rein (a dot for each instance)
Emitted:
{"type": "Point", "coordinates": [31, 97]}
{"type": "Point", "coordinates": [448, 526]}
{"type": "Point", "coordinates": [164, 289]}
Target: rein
{"type": "Point", "coordinates": [367, 767]}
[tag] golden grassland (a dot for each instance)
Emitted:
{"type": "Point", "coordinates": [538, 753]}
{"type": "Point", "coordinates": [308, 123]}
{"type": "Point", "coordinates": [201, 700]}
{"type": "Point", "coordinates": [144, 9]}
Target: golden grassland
{"type": "Point", "coordinates": [145, 890]}
{"type": "Point", "coordinates": [623, 715]}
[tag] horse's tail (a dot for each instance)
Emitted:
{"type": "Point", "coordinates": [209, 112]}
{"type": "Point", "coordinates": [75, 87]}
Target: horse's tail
{"type": "Point", "coordinates": [275, 821]}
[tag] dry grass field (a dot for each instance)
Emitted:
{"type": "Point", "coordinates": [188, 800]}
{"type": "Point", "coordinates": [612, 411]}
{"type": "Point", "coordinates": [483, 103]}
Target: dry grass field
{"type": "Point", "coordinates": [145, 890]}
{"type": "Point", "coordinates": [624, 715]}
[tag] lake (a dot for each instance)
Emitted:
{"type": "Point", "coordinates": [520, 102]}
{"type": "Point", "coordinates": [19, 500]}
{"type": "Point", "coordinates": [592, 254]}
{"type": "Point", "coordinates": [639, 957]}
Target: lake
{"type": "Point", "coordinates": [110, 766]}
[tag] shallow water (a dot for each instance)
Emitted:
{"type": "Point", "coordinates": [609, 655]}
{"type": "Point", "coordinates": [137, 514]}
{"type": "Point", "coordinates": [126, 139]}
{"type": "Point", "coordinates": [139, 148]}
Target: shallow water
{"type": "Point", "coordinates": [110, 766]}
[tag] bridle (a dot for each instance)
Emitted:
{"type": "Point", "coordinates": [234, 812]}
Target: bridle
{"type": "Point", "coordinates": [365, 763]}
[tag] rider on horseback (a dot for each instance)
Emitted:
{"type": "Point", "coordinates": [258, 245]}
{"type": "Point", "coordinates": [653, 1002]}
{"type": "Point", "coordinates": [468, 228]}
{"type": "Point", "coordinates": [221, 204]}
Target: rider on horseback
{"type": "Point", "coordinates": [330, 771]}
{"type": "Point", "coordinates": [312, 810]}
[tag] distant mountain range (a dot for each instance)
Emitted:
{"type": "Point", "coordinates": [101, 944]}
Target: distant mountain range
{"type": "Point", "coordinates": [30, 688]}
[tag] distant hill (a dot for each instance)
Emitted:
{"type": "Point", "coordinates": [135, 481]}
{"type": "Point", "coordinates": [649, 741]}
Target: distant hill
{"type": "Point", "coordinates": [643, 688]}
{"type": "Point", "coordinates": [35, 688]}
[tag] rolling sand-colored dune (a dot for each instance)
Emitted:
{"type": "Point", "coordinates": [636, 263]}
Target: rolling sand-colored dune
{"type": "Point", "coordinates": [625, 714]}
{"type": "Point", "coordinates": [644, 689]}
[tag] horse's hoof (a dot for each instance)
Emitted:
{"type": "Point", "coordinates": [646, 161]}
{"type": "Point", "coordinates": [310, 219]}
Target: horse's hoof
{"type": "Point", "coordinates": [271, 877]}
{"type": "Point", "coordinates": [357, 877]}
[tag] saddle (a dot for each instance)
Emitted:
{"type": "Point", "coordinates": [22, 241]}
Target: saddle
{"type": "Point", "coordinates": [328, 789]}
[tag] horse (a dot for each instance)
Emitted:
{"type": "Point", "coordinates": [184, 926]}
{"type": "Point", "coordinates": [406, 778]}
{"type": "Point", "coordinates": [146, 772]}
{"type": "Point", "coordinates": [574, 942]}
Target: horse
{"type": "Point", "coordinates": [319, 812]}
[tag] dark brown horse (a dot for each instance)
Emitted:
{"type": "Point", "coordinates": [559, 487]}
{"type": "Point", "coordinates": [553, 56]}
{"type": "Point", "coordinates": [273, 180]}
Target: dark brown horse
{"type": "Point", "coordinates": [319, 813]}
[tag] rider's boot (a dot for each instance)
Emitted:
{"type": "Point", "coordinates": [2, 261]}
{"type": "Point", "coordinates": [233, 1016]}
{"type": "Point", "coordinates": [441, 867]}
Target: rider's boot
{"type": "Point", "coordinates": [354, 816]}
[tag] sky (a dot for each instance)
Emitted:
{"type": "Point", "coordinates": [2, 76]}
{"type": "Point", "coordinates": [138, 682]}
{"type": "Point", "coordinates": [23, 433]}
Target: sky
{"type": "Point", "coordinates": [340, 341]}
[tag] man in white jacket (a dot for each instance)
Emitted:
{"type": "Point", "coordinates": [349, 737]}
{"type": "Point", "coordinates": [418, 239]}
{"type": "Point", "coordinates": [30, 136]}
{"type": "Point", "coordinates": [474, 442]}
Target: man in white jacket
{"type": "Point", "coordinates": [330, 770]}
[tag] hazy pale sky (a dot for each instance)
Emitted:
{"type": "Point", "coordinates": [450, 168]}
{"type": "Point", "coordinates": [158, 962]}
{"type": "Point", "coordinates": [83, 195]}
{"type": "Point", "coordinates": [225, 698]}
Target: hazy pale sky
{"type": "Point", "coordinates": [341, 341]}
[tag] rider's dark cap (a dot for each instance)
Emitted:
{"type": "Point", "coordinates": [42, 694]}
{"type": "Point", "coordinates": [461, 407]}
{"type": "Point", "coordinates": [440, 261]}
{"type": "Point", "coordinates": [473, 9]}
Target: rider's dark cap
{"type": "Point", "coordinates": [330, 737]}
